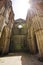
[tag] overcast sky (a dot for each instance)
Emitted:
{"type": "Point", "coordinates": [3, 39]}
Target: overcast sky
{"type": "Point", "coordinates": [20, 8]}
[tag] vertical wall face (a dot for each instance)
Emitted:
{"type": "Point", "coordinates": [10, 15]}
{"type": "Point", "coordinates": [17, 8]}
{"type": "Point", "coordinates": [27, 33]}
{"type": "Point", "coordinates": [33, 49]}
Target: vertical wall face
{"type": "Point", "coordinates": [19, 36]}
{"type": "Point", "coordinates": [38, 27]}
{"type": "Point", "coordinates": [30, 36]}
{"type": "Point", "coordinates": [36, 21]}
{"type": "Point", "coordinates": [6, 24]}
{"type": "Point", "coordinates": [2, 3]}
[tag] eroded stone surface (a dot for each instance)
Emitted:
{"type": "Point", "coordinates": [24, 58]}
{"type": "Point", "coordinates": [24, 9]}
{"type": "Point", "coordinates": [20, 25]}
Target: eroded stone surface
{"type": "Point", "coordinates": [6, 23]}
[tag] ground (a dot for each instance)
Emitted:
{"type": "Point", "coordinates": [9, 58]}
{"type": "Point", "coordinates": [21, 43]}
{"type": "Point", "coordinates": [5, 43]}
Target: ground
{"type": "Point", "coordinates": [20, 59]}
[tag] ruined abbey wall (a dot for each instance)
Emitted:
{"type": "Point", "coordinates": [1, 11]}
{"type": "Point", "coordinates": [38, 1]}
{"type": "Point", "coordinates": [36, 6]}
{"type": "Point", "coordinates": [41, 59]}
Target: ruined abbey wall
{"type": "Point", "coordinates": [6, 24]}
{"type": "Point", "coordinates": [35, 28]}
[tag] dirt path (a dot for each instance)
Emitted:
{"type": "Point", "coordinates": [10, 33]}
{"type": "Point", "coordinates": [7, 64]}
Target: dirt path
{"type": "Point", "coordinates": [20, 59]}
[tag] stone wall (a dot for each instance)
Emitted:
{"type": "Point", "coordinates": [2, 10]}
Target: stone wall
{"type": "Point", "coordinates": [6, 24]}
{"type": "Point", "coordinates": [35, 27]}
{"type": "Point", "coordinates": [18, 37]}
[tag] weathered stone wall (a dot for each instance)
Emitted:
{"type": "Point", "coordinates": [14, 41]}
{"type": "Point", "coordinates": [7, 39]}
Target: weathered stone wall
{"type": "Point", "coordinates": [38, 28]}
{"type": "Point", "coordinates": [6, 24]}
{"type": "Point", "coordinates": [19, 35]}
{"type": "Point", "coordinates": [35, 28]}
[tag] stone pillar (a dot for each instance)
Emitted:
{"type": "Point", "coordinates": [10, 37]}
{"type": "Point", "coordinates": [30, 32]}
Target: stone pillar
{"type": "Point", "coordinates": [30, 36]}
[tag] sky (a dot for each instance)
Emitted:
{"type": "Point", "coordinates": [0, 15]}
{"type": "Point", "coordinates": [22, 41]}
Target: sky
{"type": "Point", "coordinates": [20, 8]}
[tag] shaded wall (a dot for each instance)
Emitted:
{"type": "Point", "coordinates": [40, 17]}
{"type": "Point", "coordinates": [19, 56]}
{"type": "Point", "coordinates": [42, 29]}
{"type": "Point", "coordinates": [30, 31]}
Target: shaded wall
{"type": "Point", "coordinates": [19, 36]}
{"type": "Point", "coordinates": [6, 24]}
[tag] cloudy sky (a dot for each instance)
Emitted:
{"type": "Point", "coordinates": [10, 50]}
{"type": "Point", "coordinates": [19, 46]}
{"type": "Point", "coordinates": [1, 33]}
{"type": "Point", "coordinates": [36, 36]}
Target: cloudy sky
{"type": "Point", "coordinates": [20, 8]}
